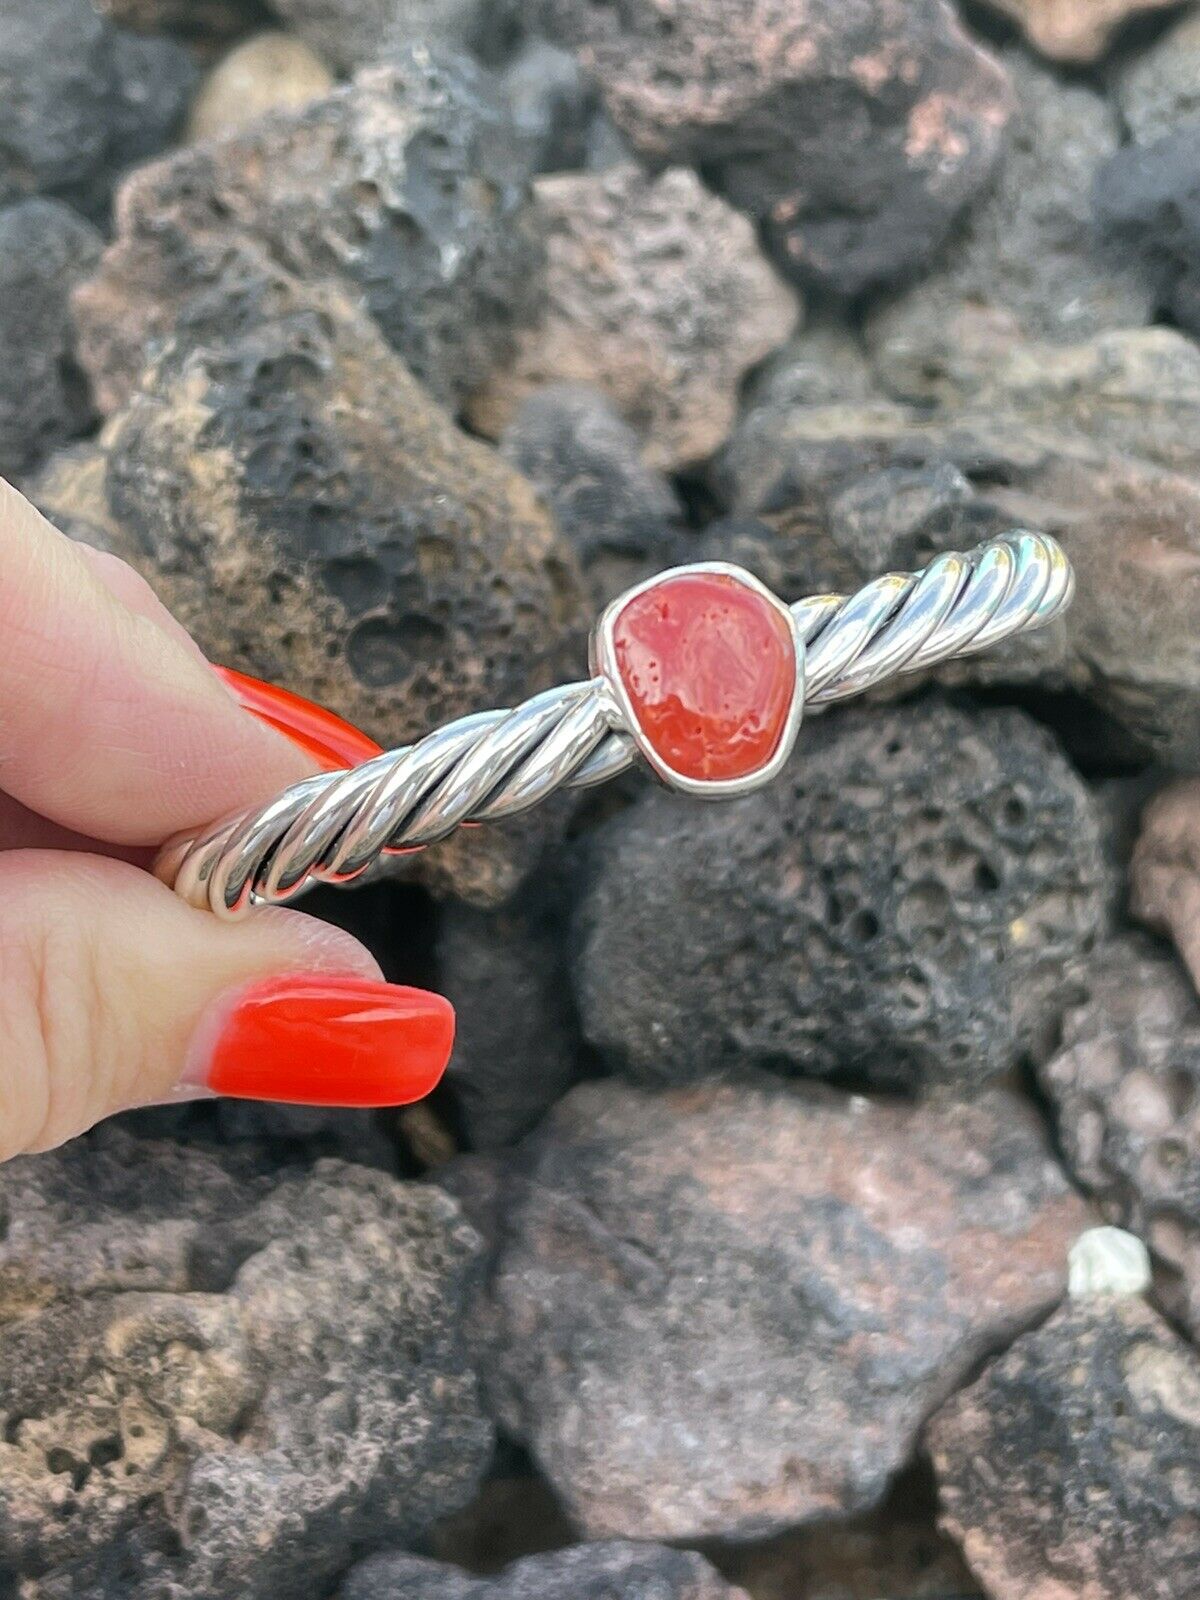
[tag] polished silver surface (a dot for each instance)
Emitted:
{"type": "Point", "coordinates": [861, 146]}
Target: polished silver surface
{"type": "Point", "coordinates": [496, 764]}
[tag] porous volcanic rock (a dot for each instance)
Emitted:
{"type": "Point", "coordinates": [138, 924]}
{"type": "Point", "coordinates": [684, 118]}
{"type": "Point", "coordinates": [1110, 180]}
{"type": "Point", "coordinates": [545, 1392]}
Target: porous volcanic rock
{"type": "Point", "coordinates": [1148, 199]}
{"type": "Point", "coordinates": [1072, 1467]}
{"type": "Point", "coordinates": [1073, 30]}
{"type": "Point", "coordinates": [656, 293]}
{"type": "Point", "coordinates": [1165, 869]}
{"type": "Point", "coordinates": [1159, 89]}
{"type": "Point", "coordinates": [80, 100]}
{"type": "Point", "coordinates": [1094, 442]}
{"type": "Point", "coordinates": [207, 25]}
{"type": "Point", "coordinates": [726, 1310]}
{"type": "Point", "coordinates": [45, 249]}
{"type": "Point", "coordinates": [1126, 1090]}
{"type": "Point", "coordinates": [556, 108]}
{"type": "Point", "coordinates": [599, 1571]}
{"type": "Point", "coordinates": [1028, 254]}
{"type": "Point", "coordinates": [314, 518]}
{"type": "Point", "coordinates": [221, 1383]}
{"type": "Point", "coordinates": [517, 1045]}
{"type": "Point", "coordinates": [353, 33]}
{"type": "Point", "coordinates": [909, 904]}
{"type": "Point", "coordinates": [409, 185]}
{"type": "Point", "coordinates": [268, 72]}
{"type": "Point", "coordinates": [623, 518]}
{"type": "Point", "coordinates": [855, 135]}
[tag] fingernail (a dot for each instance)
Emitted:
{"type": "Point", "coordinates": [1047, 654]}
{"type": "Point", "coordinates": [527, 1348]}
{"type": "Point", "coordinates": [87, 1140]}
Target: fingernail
{"type": "Point", "coordinates": [330, 740]}
{"type": "Point", "coordinates": [323, 1040]}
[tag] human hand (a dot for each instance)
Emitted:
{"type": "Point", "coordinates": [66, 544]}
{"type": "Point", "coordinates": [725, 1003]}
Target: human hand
{"type": "Point", "coordinates": [115, 733]}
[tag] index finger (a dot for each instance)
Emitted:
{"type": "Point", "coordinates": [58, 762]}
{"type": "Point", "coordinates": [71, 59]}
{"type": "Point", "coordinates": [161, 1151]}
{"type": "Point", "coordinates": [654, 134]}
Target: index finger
{"type": "Point", "coordinates": [110, 724]}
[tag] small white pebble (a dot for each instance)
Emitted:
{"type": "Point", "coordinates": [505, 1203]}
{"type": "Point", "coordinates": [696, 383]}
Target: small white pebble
{"type": "Point", "coordinates": [1107, 1261]}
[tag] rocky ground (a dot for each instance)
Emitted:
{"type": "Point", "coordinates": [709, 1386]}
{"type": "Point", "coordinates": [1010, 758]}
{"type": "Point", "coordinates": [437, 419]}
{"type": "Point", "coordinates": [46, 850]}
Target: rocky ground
{"type": "Point", "coordinates": [389, 339]}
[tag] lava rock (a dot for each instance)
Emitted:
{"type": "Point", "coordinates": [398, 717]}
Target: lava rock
{"type": "Point", "coordinates": [727, 1310]}
{"type": "Point", "coordinates": [1072, 1467]}
{"type": "Point", "coordinates": [588, 1572]}
{"type": "Point", "coordinates": [80, 100]}
{"type": "Point", "coordinates": [1165, 869]}
{"type": "Point", "coordinates": [623, 519]}
{"type": "Point", "coordinates": [353, 33]}
{"type": "Point", "coordinates": [1159, 90]}
{"type": "Point", "coordinates": [1125, 1085]}
{"type": "Point", "coordinates": [1095, 441]}
{"type": "Point", "coordinates": [220, 1382]}
{"type": "Point", "coordinates": [557, 109]}
{"type": "Point", "coordinates": [1148, 198]}
{"type": "Point", "coordinates": [909, 904]}
{"type": "Point", "coordinates": [268, 72]}
{"type": "Point", "coordinates": [1029, 253]}
{"type": "Point", "coordinates": [856, 136]}
{"type": "Point", "coordinates": [207, 25]}
{"type": "Point", "coordinates": [517, 1045]}
{"type": "Point", "coordinates": [45, 249]}
{"type": "Point", "coordinates": [312, 517]}
{"type": "Point", "coordinates": [655, 293]}
{"type": "Point", "coordinates": [408, 185]}
{"type": "Point", "coordinates": [1073, 30]}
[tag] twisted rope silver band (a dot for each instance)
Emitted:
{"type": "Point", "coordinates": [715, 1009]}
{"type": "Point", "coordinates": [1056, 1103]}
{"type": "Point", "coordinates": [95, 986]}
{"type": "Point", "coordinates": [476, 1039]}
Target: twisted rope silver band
{"type": "Point", "coordinates": [497, 764]}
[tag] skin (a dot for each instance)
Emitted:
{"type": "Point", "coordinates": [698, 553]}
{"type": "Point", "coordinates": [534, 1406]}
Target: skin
{"type": "Point", "coordinates": [114, 735]}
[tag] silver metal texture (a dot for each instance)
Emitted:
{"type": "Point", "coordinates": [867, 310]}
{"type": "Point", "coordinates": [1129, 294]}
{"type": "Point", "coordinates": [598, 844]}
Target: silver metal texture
{"type": "Point", "coordinates": [496, 764]}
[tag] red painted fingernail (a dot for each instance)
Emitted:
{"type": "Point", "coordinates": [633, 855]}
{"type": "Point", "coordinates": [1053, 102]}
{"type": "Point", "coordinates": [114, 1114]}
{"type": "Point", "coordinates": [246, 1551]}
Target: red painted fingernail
{"type": "Point", "coordinates": [330, 740]}
{"type": "Point", "coordinates": [324, 1040]}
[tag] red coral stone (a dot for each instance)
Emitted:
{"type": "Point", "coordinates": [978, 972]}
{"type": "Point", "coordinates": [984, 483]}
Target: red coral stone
{"type": "Point", "coordinates": [709, 666]}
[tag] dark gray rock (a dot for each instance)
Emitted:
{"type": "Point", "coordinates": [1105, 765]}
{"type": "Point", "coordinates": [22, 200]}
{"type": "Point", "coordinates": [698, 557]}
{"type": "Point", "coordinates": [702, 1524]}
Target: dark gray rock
{"type": "Point", "coordinates": [655, 292]}
{"type": "Point", "coordinates": [409, 185]}
{"type": "Point", "coordinates": [601, 1571]}
{"type": "Point", "coordinates": [623, 518]}
{"type": "Point", "coordinates": [1094, 442]}
{"type": "Point", "coordinates": [517, 1048]}
{"type": "Point", "coordinates": [207, 25]}
{"type": "Point", "coordinates": [1072, 1467]}
{"type": "Point", "coordinates": [1126, 1089]}
{"type": "Point", "coordinates": [313, 517]}
{"type": "Point", "coordinates": [353, 33]}
{"type": "Point", "coordinates": [1148, 199]}
{"type": "Point", "coordinates": [910, 904]}
{"type": "Point", "coordinates": [1159, 90]}
{"type": "Point", "coordinates": [45, 249]}
{"type": "Point", "coordinates": [222, 1382]}
{"type": "Point", "coordinates": [724, 1311]}
{"type": "Point", "coordinates": [80, 100]}
{"type": "Point", "coordinates": [855, 135]}
{"type": "Point", "coordinates": [1029, 253]}
{"type": "Point", "coordinates": [557, 109]}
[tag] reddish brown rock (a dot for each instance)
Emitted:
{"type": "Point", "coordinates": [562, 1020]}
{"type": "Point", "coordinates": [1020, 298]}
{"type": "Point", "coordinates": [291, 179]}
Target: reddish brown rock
{"type": "Point", "coordinates": [657, 294]}
{"type": "Point", "coordinates": [1071, 1469]}
{"type": "Point", "coordinates": [1165, 872]}
{"type": "Point", "coordinates": [724, 1311]}
{"type": "Point", "coordinates": [856, 134]}
{"type": "Point", "coordinates": [1126, 1089]}
{"type": "Point", "coordinates": [1073, 30]}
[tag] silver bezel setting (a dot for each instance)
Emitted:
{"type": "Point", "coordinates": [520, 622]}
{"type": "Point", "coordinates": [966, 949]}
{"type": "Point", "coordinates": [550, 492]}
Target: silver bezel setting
{"type": "Point", "coordinates": [604, 663]}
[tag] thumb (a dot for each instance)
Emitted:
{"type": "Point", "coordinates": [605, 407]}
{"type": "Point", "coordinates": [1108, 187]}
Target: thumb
{"type": "Point", "coordinates": [114, 993]}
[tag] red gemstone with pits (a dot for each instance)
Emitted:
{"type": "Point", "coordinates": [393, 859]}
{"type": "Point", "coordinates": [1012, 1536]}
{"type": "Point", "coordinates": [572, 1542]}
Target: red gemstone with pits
{"type": "Point", "coordinates": [709, 666]}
